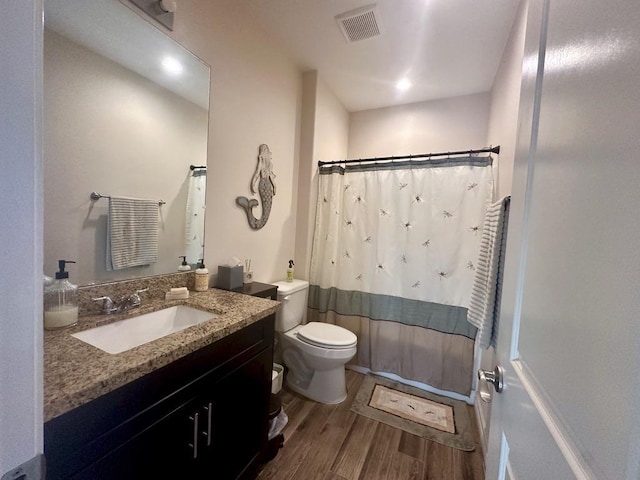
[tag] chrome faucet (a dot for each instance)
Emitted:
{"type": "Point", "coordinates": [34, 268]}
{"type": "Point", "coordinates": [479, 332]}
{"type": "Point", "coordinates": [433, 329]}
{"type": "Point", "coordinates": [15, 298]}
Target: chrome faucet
{"type": "Point", "coordinates": [127, 302]}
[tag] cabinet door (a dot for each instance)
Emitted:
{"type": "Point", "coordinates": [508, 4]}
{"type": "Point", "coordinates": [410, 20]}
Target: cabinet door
{"type": "Point", "coordinates": [239, 419]}
{"type": "Point", "coordinates": [166, 449]}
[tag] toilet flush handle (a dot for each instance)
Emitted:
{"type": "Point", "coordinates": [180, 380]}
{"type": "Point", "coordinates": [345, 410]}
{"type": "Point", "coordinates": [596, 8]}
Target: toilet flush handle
{"type": "Point", "coordinates": [286, 299]}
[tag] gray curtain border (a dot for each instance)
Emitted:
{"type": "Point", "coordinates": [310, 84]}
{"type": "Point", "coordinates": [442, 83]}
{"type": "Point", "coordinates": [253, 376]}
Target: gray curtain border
{"type": "Point", "coordinates": [434, 316]}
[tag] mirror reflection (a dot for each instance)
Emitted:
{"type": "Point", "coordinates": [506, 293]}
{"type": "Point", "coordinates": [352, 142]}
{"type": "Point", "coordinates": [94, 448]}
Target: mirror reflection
{"type": "Point", "coordinates": [125, 115]}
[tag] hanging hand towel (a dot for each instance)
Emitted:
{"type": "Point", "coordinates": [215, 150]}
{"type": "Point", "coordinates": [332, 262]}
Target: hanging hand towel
{"type": "Point", "coordinates": [485, 296]}
{"type": "Point", "coordinates": [132, 232]}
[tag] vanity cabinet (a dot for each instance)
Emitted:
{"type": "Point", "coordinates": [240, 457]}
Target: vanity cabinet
{"type": "Point", "coordinates": [202, 416]}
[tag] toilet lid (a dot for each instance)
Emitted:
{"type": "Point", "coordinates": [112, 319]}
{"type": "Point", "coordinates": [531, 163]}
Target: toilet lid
{"type": "Point", "coordinates": [327, 335]}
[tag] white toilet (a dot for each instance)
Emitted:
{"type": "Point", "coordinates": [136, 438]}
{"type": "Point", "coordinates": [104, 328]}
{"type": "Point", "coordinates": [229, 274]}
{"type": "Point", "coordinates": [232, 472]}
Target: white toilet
{"type": "Point", "coordinates": [315, 353]}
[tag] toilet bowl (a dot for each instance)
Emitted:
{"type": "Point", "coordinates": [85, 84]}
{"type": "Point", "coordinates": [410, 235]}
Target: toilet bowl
{"type": "Point", "coordinates": [315, 353]}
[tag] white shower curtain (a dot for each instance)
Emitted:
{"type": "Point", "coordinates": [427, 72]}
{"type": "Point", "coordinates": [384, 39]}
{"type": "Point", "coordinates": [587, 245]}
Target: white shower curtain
{"type": "Point", "coordinates": [393, 260]}
{"type": "Point", "coordinates": [194, 221]}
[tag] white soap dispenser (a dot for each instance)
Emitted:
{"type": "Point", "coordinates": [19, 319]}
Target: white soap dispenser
{"type": "Point", "coordinates": [184, 267]}
{"type": "Point", "coordinates": [202, 277]}
{"type": "Point", "coordinates": [61, 300]}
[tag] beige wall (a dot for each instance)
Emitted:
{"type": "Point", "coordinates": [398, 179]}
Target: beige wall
{"type": "Point", "coordinates": [94, 143]}
{"type": "Point", "coordinates": [325, 136]}
{"type": "Point", "coordinates": [458, 123]}
{"type": "Point", "coordinates": [255, 98]}
{"type": "Point", "coordinates": [503, 125]}
{"type": "Point", "coordinates": [505, 100]}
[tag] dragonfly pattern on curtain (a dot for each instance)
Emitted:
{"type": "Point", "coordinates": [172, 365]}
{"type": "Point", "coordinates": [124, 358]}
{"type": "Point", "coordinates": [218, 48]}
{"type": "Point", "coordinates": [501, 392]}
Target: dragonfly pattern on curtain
{"type": "Point", "coordinates": [398, 241]}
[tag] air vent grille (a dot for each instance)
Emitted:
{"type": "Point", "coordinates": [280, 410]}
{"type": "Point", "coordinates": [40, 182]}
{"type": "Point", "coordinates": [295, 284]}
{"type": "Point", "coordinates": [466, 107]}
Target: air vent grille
{"type": "Point", "coordinates": [360, 24]}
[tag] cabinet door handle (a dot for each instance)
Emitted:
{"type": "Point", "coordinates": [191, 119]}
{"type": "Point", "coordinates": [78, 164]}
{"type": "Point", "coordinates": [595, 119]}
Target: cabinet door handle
{"type": "Point", "coordinates": [207, 433]}
{"type": "Point", "coordinates": [194, 445]}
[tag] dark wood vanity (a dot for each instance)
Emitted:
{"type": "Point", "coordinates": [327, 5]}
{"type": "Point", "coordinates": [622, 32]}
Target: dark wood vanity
{"type": "Point", "coordinates": [202, 416]}
{"type": "Point", "coordinates": [257, 289]}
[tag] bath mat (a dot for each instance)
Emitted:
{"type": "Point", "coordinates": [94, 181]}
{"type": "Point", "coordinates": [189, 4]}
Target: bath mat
{"type": "Point", "coordinates": [415, 411]}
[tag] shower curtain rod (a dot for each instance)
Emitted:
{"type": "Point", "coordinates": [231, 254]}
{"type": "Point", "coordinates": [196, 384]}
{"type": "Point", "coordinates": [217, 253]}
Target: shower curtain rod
{"type": "Point", "coordinates": [495, 150]}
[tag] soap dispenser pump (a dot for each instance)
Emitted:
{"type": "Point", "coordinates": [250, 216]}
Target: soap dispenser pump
{"type": "Point", "coordinates": [184, 267]}
{"type": "Point", "coordinates": [61, 300]}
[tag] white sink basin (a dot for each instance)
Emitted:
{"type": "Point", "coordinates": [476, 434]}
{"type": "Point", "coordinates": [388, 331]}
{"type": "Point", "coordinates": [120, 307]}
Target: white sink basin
{"type": "Point", "coordinates": [126, 334]}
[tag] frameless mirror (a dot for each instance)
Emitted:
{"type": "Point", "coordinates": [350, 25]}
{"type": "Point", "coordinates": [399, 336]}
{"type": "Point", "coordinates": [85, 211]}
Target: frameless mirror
{"type": "Point", "coordinates": [125, 114]}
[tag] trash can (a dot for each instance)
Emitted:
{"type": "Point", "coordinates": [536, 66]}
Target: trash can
{"type": "Point", "coordinates": [277, 421]}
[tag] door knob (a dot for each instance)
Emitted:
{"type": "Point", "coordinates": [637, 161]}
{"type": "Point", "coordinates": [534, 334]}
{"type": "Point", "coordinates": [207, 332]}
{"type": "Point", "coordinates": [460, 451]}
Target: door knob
{"type": "Point", "coordinates": [494, 378]}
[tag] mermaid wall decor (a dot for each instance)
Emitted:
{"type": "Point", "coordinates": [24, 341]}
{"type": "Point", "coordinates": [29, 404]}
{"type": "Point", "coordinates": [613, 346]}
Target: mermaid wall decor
{"type": "Point", "coordinates": [262, 183]}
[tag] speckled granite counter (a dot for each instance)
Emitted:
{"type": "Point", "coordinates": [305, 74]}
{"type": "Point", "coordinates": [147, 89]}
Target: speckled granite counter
{"type": "Point", "coordinates": [76, 372]}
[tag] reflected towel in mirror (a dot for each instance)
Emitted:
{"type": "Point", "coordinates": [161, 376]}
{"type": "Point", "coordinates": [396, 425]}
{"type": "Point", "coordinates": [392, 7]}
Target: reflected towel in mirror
{"type": "Point", "coordinates": [132, 232]}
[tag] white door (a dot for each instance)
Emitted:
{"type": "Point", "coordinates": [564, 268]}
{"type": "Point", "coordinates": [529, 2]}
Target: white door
{"type": "Point", "coordinates": [569, 338]}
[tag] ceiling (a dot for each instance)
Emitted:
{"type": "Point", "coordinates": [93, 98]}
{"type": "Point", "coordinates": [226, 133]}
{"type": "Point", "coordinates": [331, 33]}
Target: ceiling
{"type": "Point", "coordinates": [109, 28]}
{"type": "Point", "coordinates": [445, 48]}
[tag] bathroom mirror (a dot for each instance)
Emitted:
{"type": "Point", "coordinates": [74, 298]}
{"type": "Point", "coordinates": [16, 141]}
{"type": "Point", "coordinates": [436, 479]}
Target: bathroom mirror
{"type": "Point", "coordinates": [125, 114]}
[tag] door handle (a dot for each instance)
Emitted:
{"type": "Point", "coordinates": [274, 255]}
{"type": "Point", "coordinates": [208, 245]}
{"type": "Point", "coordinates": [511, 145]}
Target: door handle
{"type": "Point", "coordinates": [207, 433]}
{"type": "Point", "coordinates": [195, 418]}
{"type": "Point", "coordinates": [494, 378]}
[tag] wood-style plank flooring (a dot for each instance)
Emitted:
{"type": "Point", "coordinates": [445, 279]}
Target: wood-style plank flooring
{"type": "Point", "coordinates": [330, 442]}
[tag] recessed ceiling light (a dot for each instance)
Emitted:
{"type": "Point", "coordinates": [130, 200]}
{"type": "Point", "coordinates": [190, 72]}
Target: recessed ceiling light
{"type": "Point", "coordinates": [404, 84]}
{"type": "Point", "coordinates": [172, 66]}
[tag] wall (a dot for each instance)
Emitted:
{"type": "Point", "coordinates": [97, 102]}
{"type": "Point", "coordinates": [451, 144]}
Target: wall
{"type": "Point", "coordinates": [505, 100]}
{"type": "Point", "coordinates": [255, 98]}
{"type": "Point", "coordinates": [458, 123]}
{"type": "Point", "coordinates": [143, 150]}
{"type": "Point", "coordinates": [324, 136]}
{"type": "Point", "coordinates": [21, 233]}
{"type": "Point", "coordinates": [503, 126]}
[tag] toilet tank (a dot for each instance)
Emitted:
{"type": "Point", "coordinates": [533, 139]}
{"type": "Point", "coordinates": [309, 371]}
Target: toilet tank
{"type": "Point", "coordinates": [293, 296]}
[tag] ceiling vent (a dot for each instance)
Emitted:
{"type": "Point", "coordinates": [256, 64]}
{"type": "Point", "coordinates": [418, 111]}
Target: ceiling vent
{"type": "Point", "coordinates": [360, 24]}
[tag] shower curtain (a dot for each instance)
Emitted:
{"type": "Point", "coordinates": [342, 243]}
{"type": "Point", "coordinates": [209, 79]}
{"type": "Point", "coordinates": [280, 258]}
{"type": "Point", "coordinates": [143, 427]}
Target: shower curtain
{"type": "Point", "coordinates": [393, 260]}
{"type": "Point", "coordinates": [194, 218]}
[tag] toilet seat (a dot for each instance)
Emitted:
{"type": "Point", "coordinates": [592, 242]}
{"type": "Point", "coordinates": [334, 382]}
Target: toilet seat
{"type": "Point", "coordinates": [326, 335]}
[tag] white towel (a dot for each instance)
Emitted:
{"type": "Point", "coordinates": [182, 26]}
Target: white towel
{"type": "Point", "coordinates": [194, 220]}
{"type": "Point", "coordinates": [487, 285]}
{"type": "Point", "coordinates": [132, 232]}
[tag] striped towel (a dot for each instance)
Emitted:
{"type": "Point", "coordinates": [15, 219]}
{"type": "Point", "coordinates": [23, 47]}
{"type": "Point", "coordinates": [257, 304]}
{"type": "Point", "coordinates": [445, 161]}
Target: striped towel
{"type": "Point", "coordinates": [484, 307]}
{"type": "Point", "coordinates": [132, 232]}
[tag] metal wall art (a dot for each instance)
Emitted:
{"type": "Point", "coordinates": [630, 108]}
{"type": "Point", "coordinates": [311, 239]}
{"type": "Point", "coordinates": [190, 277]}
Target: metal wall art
{"type": "Point", "coordinates": [262, 183]}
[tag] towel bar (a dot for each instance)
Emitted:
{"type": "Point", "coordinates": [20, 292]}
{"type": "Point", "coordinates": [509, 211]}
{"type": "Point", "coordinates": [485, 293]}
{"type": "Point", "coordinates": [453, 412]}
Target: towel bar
{"type": "Point", "coordinates": [98, 196]}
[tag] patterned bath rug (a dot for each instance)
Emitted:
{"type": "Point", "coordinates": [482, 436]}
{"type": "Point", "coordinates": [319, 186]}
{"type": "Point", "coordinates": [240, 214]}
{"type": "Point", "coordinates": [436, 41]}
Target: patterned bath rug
{"type": "Point", "coordinates": [415, 411]}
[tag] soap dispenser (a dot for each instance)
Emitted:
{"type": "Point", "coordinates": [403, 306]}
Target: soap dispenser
{"type": "Point", "coordinates": [61, 300]}
{"type": "Point", "coordinates": [184, 267]}
{"type": "Point", "coordinates": [202, 277]}
{"type": "Point", "coordinates": [290, 271]}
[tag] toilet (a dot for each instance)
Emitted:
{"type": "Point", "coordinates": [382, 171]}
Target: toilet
{"type": "Point", "coordinates": [315, 353]}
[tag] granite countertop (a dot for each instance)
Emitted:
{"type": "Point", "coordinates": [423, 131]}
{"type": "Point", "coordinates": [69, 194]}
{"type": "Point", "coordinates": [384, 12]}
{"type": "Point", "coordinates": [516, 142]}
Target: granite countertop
{"type": "Point", "coordinates": [76, 373]}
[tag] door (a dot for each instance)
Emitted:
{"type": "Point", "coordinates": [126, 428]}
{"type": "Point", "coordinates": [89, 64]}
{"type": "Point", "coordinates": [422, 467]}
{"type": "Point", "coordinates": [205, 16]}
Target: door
{"type": "Point", "coordinates": [569, 339]}
{"type": "Point", "coordinates": [237, 429]}
{"type": "Point", "coordinates": [166, 449]}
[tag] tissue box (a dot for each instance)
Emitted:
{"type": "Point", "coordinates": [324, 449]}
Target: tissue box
{"type": "Point", "coordinates": [229, 277]}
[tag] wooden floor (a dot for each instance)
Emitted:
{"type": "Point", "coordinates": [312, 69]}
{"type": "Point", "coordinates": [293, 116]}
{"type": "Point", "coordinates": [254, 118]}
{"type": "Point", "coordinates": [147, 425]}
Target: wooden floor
{"type": "Point", "coordinates": [330, 442]}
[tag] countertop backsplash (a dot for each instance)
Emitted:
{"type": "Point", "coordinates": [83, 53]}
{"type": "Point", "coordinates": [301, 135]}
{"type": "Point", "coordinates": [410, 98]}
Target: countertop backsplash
{"type": "Point", "coordinates": [158, 285]}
